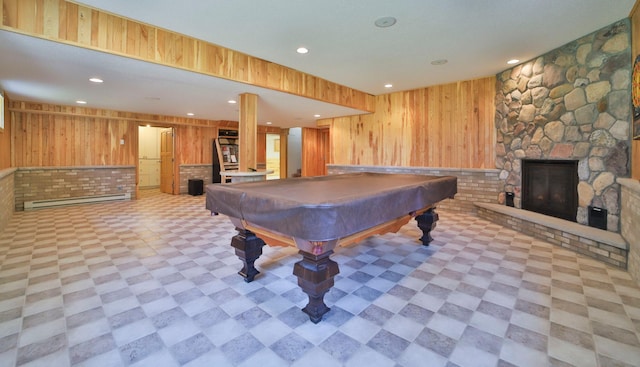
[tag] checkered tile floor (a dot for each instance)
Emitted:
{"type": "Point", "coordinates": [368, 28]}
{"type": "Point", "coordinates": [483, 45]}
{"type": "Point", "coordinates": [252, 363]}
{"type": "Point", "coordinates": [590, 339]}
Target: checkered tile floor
{"type": "Point", "coordinates": [153, 282]}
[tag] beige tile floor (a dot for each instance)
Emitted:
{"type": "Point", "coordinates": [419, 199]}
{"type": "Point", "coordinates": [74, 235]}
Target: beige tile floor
{"type": "Point", "coordinates": [153, 282]}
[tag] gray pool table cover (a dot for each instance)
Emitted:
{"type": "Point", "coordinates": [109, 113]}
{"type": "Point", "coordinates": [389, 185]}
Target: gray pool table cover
{"type": "Point", "coordinates": [330, 207]}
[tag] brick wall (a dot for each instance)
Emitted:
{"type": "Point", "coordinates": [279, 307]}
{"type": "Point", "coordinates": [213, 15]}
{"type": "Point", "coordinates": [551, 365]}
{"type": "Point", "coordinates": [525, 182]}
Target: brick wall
{"type": "Point", "coordinates": [6, 196]}
{"type": "Point", "coordinates": [43, 183]}
{"type": "Point", "coordinates": [203, 172]}
{"type": "Point", "coordinates": [629, 223]}
{"type": "Point", "coordinates": [571, 236]}
{"type": "Point", "coordinates": [474, 185]}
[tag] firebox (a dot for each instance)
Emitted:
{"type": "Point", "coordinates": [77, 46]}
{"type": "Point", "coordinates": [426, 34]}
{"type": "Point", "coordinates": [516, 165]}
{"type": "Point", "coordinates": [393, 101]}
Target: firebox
{"type": "Point", "coordinates": [550, 187]}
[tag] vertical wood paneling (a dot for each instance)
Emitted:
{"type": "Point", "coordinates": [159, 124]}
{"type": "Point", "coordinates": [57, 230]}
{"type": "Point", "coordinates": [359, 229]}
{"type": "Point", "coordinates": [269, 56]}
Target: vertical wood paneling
{"type": "Point", "coordinates": [310, 152]}
{"type": "Point", "coordinates": [194, 144]}
{"type": "Point", "coordinates": [50, 135]}
{"type": "Point", "coordinates": [315, 151]}
{"type": "Point", "coordinates": [64, 21]}
{"type": "Point", "coordinates": [84, 17]}
{"type": "Point", "coordinates": [247, 131]}
{"type": "Point", "coordinates": [448, 125]}
{"type": "Point", "coordinates": [284, 153]}
{"type": "Point", "coordinates": [261, 149]}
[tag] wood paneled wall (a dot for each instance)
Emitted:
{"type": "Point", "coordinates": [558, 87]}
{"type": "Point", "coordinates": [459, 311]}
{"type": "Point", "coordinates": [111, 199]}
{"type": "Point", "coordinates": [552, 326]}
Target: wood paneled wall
{"type": "Point", "coordinates": [53, 135]}
{"type": "Point", "coordinates": [194, 144]}
{"type": "Point", "coordinates": [5, 137]}
{"type": "Point", "coordinates": [42, 139]}
{"type": "Point", "coordinates": [315, 152]}
{"type": "Point", "coordinates": [635, 50]}
{"type": "Point", "coordinates": [70, 23]}
{"type": "Point", "coordinates": [449, 125]}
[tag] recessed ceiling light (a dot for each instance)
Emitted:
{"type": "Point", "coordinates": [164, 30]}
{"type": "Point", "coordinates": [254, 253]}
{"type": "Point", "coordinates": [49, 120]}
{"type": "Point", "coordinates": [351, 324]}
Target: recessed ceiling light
{"type": "Point", "coordinates": [269, 122]}
{"type": "Point", "coordinates": [190, 114]}
{"type": "Point", "coordinates": [385, 22]}
{"type": "Point", "coordinates": [81, 102]}
{"type": "Point", "coordinates": [302, 50]}
{"type": "Point", "coordinates": [388, 85]}
{"type": "Point", "coordinates": [316, 115]}
{"type": "Point", "coordinates": [513, 61]}
{"type": "Point", "coordinates": [96, 80]}
{"type": "Point", "coordinates": [439, 62]}
{"type": "Point", "coordinates": [232, 101]}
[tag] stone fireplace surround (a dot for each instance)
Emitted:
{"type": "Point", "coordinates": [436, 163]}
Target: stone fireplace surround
{"type": "Point", "coordinates": [571, 103]}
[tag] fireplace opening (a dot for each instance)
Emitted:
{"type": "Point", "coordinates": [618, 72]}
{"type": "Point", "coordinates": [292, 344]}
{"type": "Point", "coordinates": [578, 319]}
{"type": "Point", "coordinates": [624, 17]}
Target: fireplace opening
{"type": "Point", "coordinates": [550, 187]}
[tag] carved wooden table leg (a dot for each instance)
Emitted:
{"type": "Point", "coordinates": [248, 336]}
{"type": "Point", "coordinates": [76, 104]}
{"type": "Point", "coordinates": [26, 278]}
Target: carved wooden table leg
{"type": "Point", "coordinates": [315, 276]}
{"type": "Point", "coordinates": [427, 222]}
{"type": "Point", "coordinates": [248, 249]}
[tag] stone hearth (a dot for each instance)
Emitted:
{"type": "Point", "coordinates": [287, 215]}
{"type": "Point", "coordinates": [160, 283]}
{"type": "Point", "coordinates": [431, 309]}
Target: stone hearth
{"type": "Point", "coordinates": [571, 103]}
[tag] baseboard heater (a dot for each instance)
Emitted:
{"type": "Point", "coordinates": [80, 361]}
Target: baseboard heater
{"type": "Point", "coordinates": [38, 204]}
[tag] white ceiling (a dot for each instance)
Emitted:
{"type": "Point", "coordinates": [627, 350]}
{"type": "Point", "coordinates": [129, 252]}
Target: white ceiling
{"type": "Point", "coordinates": [477, 37]}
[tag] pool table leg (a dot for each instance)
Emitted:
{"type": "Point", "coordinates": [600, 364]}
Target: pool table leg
{"type": "Point", "coordinates": [315, 276]}
{"type": "Point", "coordinates": [248, 249]}
{"type": "Point", "coordinates": [427, 222]}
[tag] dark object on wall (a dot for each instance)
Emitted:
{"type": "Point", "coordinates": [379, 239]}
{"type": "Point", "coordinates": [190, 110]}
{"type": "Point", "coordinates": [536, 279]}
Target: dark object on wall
{"type": "Point", "coordinates": [232, 133]}
{"type": "Point", "coordinates": [196, 187]}
{"type": "Point", "coordinates": [509, 198]}
{"type": "Point", "coordinates": [635, 97]}
{"type": "Point", "coordinates": [597, 217]}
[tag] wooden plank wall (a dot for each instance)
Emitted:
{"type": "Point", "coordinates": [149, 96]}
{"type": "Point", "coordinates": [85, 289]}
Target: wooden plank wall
{"type": "Point", "coordinates": [315, 152]}
{"type": "Point", "coordinates": [449, 125]}
{"type": "Point", "coordinates": [71, 23]}
{"type": "Point", "coordinates": [194, 144]}
{"type": "Point", "coordinates": [53, 135]}
{"type": "Point", "coordinates": [635, 50]}
{"type": "Point", "coordinates": [5, 137]}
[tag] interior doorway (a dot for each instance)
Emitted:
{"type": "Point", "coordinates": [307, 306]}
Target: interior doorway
{"type": "Point", "coordinates": [155, 158]}
{"type": "Point", "coordinates": [273, 156]}
{"type": "Point", "coordinates": [166, 161]}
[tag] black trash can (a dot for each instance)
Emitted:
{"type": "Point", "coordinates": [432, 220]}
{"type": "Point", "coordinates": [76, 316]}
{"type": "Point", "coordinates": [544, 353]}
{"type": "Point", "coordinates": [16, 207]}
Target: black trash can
{"type": "Point", "coordinates": [196, 187]}
{"type": "Point", "coordinates": [509, 198]}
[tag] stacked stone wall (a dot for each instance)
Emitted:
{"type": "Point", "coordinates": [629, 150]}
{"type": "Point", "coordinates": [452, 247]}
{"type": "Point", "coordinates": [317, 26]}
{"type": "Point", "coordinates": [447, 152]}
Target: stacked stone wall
{"type": "Point", "coordinates": [571, 103]}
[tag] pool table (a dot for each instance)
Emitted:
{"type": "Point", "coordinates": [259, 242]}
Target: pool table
{"type": "Point", "coordinates": [316, 214]}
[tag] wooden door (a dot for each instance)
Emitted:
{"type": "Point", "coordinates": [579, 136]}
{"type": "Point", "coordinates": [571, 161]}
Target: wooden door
{"type": "Point", "coordinates": [315, 151]}
{"type": "Point", "coordinates": [166, 161]}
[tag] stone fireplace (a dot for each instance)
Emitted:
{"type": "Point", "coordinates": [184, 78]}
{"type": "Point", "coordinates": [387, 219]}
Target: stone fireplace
{"type": "Point", "coordinates": [573, 103]}
{"type": "Point", "coordinates": [550, 187]}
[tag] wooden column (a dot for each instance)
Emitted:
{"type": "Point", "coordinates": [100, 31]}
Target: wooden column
{"type": "Point", "coordinates": [248, 132]}
{"type": "Point", "coordinates": [284, 144]}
